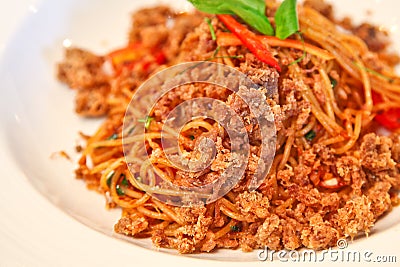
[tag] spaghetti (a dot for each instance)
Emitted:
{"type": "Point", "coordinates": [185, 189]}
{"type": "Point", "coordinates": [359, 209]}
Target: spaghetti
{"type": "Point", "coordinates": [332, 177]}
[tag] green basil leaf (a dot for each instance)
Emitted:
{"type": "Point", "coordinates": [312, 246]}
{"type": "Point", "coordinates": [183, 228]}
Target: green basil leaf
{"type": "Point", "coordinates": [124, 181]}
{"type": "Point", "coordinates": [212, 6]}
{"type": "Point", "coordinates": [333, 82]}
{"type": "Point", "coordinates": [113, 137]}
{"type": "Point", "coordinates": [120, 191]}
{"type": "Point", "coordinates": [256, 20]}
{"type": "Point", "coordinates": [147, 120]}
{"type": "Point", "coordinates": [235, 228]}
{"type": "Point", "coordinates": [286, 19]}
{"type": "Point", "coordinates": [251, 11]}
{"type": "Point", "coordinates": [310, 135]}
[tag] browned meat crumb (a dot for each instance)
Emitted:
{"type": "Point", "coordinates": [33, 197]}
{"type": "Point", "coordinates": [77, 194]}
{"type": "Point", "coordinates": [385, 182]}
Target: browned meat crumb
{"type": "Point", "coordinates": [319, 234]}
{"type": "Point", "coordinates": [197, 45]}
{"type": "Point", "coordinates": [268, 234]}
{"type": "Point", "coordinates": [147, 18]}
{"type": "Point", "coordinates": [81, 69]}
{"type": "Point", "coordinates": [261, 74]}
{"type": "Point", "coordinates": [189, 236]}
{"type": "Point", "coordinates": [375, 38]}
{"type": "Point", "coordinates": [131, 225]}
{"type": "Point", "coordinates": [348, 169]}
{"type": "Point", "coordinates": [92, 102]}
{"type": "Point", "coordinates": [356, 216]}
{"type": "Point", "coordinates": [186, 92]}
{"type": "Point", "coordinates": [376, 153]}
{"type": "Point", "coordinates": [191, 215]}
{"type": "Point", "coordinates": [380, 198]}
{"type": "Point", "coordinates": [209, 243]}
{"type": "Point", "coordinates": [291, 237]}
{"type": "Point", "coordinates": [226, 242]}
{"type": "Point", "coordinates": [194, 232]}
{"type": "Point", "coordinates": [253, 203]}
{"type": "Point", "coordinates": [396, 146]}
{"type": "Point", "coordinates": [162, 27]}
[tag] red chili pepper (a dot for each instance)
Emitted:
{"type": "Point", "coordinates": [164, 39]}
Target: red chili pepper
{"type": "Point", "coordinates": [250, 40]}
{"type": "Point", "coordinates": [135, 54]}
{"type": "Point", "coordinates": [389, 119]}
{"type": "Point", "coordinates": [160, 57]}
{"type": "Point", "coordinates": [125, 55]}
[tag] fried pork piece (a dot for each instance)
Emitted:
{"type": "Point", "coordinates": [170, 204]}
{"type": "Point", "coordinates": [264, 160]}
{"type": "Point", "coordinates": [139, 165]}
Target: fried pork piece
{"type": "Point", "coordinates": [162, 27]}
{"type": "Point", "coordinates": [131, 225]}
{"type": "Point", "coordinates": [191, 235]}
{"type": "Point", "coordinates": [269, 233]}
{"type": "Point", "coordinates": [149, 26]}
{"type": "Point", "coordinates": [376, 39]}
{"type": "Point", "coordinates": [261, 74]}
{"type": "Point", "coordinates": [319, 234]}
{"type": "Point", "coordinates": [356, 216]}
{"type": "Point", "coordinates": [376, 153]}
{"type": "Point", "coordinates": [81, 69]}
{"type": "Point", "coordinates": [253, 203]}
{"type": "Point", "coordinates": [380, 198]}
{"type": "Point", "coordinates": [92, 102]}
{"type": "Point", "coordinates": [378, 158]}
{"type": "Point", "coordinates": [197, 45]}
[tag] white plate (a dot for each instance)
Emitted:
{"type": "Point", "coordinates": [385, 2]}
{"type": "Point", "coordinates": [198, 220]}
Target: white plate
{"type": "Point", "coordinates": [38, 193]}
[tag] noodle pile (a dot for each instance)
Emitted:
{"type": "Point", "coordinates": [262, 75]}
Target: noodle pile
{"type": "Point", "coordinates": [332, 176]}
